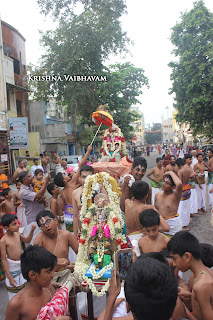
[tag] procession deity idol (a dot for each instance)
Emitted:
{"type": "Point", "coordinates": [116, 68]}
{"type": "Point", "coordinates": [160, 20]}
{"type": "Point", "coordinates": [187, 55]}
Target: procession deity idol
{"type": "Point", "coordinates": [102, 229]}
{"type": "Point", "coordinates": [113, 146]}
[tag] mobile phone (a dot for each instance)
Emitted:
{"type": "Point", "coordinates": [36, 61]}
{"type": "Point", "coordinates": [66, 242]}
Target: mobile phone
{"type": "Point", "coordinates": [123, 260]}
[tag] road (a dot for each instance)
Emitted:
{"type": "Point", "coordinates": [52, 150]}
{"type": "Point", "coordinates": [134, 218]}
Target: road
{"type": "Point", "coordinates": [199, 226]}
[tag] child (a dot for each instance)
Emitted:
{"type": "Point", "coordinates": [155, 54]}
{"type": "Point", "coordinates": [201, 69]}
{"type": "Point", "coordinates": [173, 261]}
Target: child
{"type": "Point", "coordinates": [4, 180]}
{"type": "Point", "coordinates": [37, 266]}
{"type": "Point", "coordinates": [153, 241]}
{"type": "Point", "coordinates": [185, 250]}
{"type": "Point", "coordinates": [167, 202]}
{"type": "Point", "coordinates": [55, 207]}
{"type": "Point", "coordinates": [133, 208]}
{"type": "Point", "coordinates": [156, 179]}
{"type": "Point", "coordinates": [20, 210]}
{"type": "Point", "coordinates": [7, 206]}
{"type": "Point", "coordinates": [38, 182]}
{"type": "Point", "coordinates": [56, 241]}
{"type": "Point", "coordinates": [11, 250]}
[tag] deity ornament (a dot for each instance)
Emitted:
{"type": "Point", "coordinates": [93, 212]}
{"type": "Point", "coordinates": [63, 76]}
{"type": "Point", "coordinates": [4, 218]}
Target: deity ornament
{"type": "Point", "coordinates": [102, 230]}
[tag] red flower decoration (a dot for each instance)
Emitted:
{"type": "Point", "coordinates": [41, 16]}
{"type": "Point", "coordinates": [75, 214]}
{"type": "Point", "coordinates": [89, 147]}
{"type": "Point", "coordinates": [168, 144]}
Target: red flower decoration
{"type": "Point", "coordinates": [115, 220]}
{"type": "Point", "coordinates": [86, 220]}
{"type": "Point", "coordinates": [102, 150]}
{"type": "Point", "coordinates": [118, 242]}
{"type": "Point", "coordinates": [123, 139]}
{"type": "Point", "coordinates": [124, 246]}
{"type": "Point", "coordinates": [82, 241]}
{"type": "Point", "coordinates": [112, 160]}
{"type": "Point", "coordinates": [119, 138]}
{"type": "Point", "coordinates": [104, 153]}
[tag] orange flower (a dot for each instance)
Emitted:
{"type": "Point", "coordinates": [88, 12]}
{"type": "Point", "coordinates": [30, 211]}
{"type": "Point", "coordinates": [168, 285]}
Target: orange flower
{"type": "Point", "coordinates": [86, 220]}
{"type": "Point", "coordinates": [115, 220]}
{"type": "Point", "coordinates": [82, 241]}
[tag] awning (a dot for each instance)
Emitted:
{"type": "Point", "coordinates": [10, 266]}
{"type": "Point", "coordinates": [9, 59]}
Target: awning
{"type": "Point", "coordinates": [18, 88]}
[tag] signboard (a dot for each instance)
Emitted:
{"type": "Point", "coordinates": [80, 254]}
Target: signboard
{"type": "Point", "coordinates": [18, 129]}
{"type": "Point", "coordinates": [4, 157]}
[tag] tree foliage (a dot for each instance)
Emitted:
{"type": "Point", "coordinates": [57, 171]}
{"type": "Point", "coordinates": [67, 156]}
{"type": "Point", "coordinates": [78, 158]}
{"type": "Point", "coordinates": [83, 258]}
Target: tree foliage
{"type": "Point", "coordinates": [192, 73]}
{"type": "Point", "coordinates": [154, 137]}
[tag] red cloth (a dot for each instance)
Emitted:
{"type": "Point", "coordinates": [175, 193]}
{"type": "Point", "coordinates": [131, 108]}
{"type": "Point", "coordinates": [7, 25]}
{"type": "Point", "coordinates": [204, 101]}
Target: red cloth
{"type": "Point", "coordinates": [166, 160]}
{"type": "Point", "coordinates": [58, 305]}
{"type": "Point", "coordinates": [115, 169]}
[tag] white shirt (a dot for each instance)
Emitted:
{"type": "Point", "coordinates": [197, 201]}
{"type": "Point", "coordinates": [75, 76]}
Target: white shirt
{"type": "Point", "coordinates": [33, 169]}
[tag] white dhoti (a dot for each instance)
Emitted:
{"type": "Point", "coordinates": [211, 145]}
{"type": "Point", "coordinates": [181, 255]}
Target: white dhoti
{"type": "Point", "coordinates": [184, 211]}
{"type": "Point", "coordinates": [21, 216]}
{"type": "Point", "coordinates": [201, 196]}
{"type": "Point", "coordinates": [175, 224]}
{"type": "Point", "coordinates": [193, 198]}
{"type": "Point", "coordinates": [15, 271]}
{"type": "Point", "coordinates": [154, 191]}
{"type": "Point", "coordinates": [134, 238]}
{"type": "Point", "coordinates": [210, 186]}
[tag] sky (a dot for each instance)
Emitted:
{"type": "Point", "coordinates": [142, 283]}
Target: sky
{"type": "Point", "coordinates": [148, 24]}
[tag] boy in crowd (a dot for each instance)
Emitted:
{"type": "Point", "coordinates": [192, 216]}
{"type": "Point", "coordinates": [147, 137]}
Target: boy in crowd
{"type": "Point", "coordinates": [7, 206]}
{"type": "Point", "coordinates": [146, 281]}
{"type": "Point", "coordinates": [11, 249]}
{"type": "Point", "coordinates": [200, 185]}
{"type": "Point", "coordinates": [138, 170]}
{"type": "Point", "coordinates": [156, 179]}
{"type": "Point", "coordinates": [55, 207]}
{"type": "Point", "coordinates": [185, 202]}
{"type": "Point", "coordinates": [76, 198]}
{"type": "Point", "coordinates": [184, 248]}
{"type": "Point", "coordinates": [37, 267]}
{"type": "Point", "coordinates": [56, 241]}
{"type": "Point", "coordinates": [167, 202]}
{"type": "Point", "coordinates": [153, 241]}
{"type": "Point", "coordinates": [133, 208]}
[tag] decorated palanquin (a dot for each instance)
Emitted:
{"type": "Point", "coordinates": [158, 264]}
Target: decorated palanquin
{"type": "Point", "coordinates": [101, 232]}
{"type": "Point", "coordinates": [113, 146]}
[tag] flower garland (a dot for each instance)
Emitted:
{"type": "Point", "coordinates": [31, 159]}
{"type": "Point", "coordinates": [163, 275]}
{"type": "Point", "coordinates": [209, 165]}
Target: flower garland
{"type": "Point", "coordinates": [88, 220]}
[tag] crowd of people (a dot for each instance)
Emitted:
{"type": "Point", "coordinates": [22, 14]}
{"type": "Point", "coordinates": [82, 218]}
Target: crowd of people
{"type": "Point", "coordinates": [157, 224]}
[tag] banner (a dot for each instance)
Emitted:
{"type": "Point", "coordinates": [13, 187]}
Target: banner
{"type": "Point", "coordinates": [18, 129]}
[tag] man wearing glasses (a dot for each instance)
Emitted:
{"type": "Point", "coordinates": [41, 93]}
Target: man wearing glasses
{"type": "Point", "coordinates": [57, 242]}
{"type": "Point", "coordinates": [167, 202]}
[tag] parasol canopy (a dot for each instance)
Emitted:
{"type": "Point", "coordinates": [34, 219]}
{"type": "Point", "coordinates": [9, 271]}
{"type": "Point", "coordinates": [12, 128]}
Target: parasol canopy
{"type": "Point", "coordinates": [102, 117]}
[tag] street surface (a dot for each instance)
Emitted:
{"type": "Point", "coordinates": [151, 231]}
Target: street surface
{"type": "Point", "coordinates": [199, 226]}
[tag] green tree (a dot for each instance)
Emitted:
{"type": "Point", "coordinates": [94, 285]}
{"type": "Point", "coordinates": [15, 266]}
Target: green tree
{"type": "Point", "coordinates": [153, 137]}
{"type": "Point", "coordinates": [192, 72]}
{"type": "Point", "coordinates": [120, 92]}
{"type": "Point", "coordinates": [79, 46]}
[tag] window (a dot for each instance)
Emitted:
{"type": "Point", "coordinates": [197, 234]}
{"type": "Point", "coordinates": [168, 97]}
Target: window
{"type": "Point", "coordinates": [18, 107]}
{"type": "Point", "coordinates": [8, 99]}
{"type": "Point", "coordinates": [16, 64]}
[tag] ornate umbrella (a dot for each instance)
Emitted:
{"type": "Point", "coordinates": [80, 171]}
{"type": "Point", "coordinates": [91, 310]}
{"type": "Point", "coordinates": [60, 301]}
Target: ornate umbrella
{"type": "Point", "coordinates": [101, 117]}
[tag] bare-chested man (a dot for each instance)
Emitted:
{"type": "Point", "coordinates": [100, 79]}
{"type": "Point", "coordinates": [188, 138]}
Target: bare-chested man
{"type": "Point", "coordinates": [200, 185]}
{"type": "Point", "coordinates": [167, 202]}
{"type": "Point", "coordinates": [139, 167]}
{"type": "Point", "coordinates": [76, 198]}
{"type": "Point", "coordinates": [193, 197]}
{"type": "Point", "coordinates": [157, 175]}
{"type": "Point", "coordinates": [184, 205]}
{"type": "Point", "coordinates": [56, 241]}
{"type": "Point", "coordinates": [172, 166]}
{"type": "Point", "coordinates": [69, 184]}
{"type": "Point", "coordinates": [20, 168]}
{"type": "Point", "coordinates": [133, 208]}
{"type": "Point", "coordinates": [210, 175]}
{"type": "Point", "coordinates": [56, 159]}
